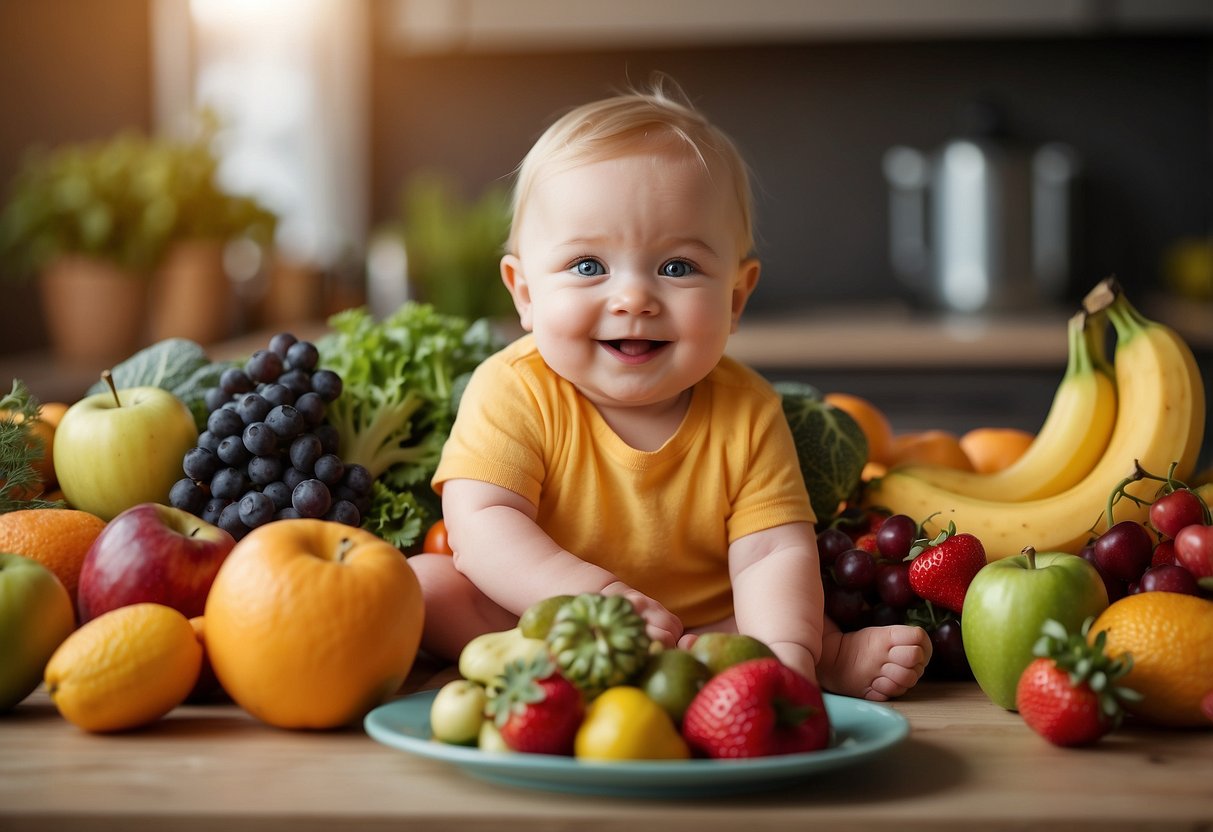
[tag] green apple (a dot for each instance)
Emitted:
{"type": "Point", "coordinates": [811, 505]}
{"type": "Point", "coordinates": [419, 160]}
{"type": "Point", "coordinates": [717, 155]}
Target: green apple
{"type": "Point", "coordinates": [35, 617]}
{"type": "Point", "coordinates": [1009, 600]}
{"type": "Point", "coordinates": [117, 449]}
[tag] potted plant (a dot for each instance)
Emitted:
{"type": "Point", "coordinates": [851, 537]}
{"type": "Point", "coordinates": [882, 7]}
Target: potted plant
{"type": "Point", "coordinates": [453, 246]}
{"type": "Point", "coordinates": [101, 223]}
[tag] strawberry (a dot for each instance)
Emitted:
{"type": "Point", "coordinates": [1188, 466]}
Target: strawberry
{"type": "Point", "coordinates": [537, 710]}
{"type": "Point", "coordinates": [941, 569]}
{"type": "Point", "coordinates": [1068, 695]}
{"type": "Point", "coordinates": [756, 708]}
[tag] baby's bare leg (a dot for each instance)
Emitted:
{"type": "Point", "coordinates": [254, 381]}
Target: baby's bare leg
{"type": "Point", "coordinates": [455, 610]}
{"type": "Point", "coordinates": [876, 663]}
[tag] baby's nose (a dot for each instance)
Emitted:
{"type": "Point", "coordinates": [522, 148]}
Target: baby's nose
{"type": "Point", "coordinates": [633, 295]}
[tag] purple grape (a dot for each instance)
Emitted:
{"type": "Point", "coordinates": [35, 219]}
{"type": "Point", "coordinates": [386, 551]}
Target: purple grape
{"type": "Point", "coordinates": [208, 440]}
{"type": "Point", "coordinates": [343, 511]}
{"type": "Point", "coordinates": [1169, 578]}
{"type": "Point", "coordinates": [329, 469]}
{"type": "Point", "coordinates": [358, 479]}
{"type": "Point", "coordinates": [329, 438]}
{"type": "Point", "coordinates": [1124, 550]}
{"type": "Point", "coordinates": [264, 470]}
{"type": "Point", "coordinates": [279, 493]}
{"type": "Point", "coordinates": [234, 380]}
{"type": "Point", "coordinates": [232, 451]}
{"type": "Point", "coordinates": [215, 398]}
{"type": "Point", "coordinates": [312, 408]}
{"type": "Point", "coordinates": [224, 422]}
{"type": "Point", "coordinates": [286, 421]}
{"type": "Point", "coordinates": [276, 394]}
{"type": "Point", "coordinates": [228, 484]}
{"type": "Point", "coordinates": [264, 366]}
{"type": "Point", "coordinates": [311, 498]}
{"type": "Point", "coordinates": [855, 569]}
{"type": "Point", "coordinates": [896, 536]}
{"type": "Point", "coordinates": [287, 513]}
{"type": "Point", "coordinates": [844, 606]}
{"type": "Point", "coordinates": [213, 508]}
{"type": "Point", "coordinates": [893, 585]}
{"type": "Point", "coordinates": [948, 659]}
{"type": "Point", "coordinates": [327, 384]}
{"type": "Point", "coordinates": [292, 476]}
{"type": "Point", "coordinates": [230, 522]}
{"type": "Point", "coordinates": [281, 342]}
{"type": "Point", "coordinates": [297, 381]}
{"type": "Point", "coordinates": [187, 495]}
{"type": "Point", "coordinates": [256, 509]}
{"type": "Point", "coordinates": [252, 407]}
{"type": "Point", "coordinates": [259, 439]}
{"type": "Point", "coordinates": [831, 543]}
{"type": "Point", "coordinates": [200, 464]}
{"type": "Point", "coordinates": [302, 355]}
{"type": "Point", "coordinates": [304, 452]}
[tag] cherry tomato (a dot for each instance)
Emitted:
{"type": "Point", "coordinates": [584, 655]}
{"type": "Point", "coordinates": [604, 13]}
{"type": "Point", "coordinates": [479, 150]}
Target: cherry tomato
{"type": "Point", "coordinates": [1176, 510]}
{"type": "Point", "coordinates": [435, 539]}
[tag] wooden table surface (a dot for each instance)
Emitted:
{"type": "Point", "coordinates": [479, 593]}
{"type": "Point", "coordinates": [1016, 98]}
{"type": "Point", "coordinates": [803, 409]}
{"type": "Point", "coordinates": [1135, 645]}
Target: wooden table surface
{"type": "Point", "coordinates": [966, 765]}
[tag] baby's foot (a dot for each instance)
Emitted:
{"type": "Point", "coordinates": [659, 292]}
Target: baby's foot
{"type": "Point", "coordinates": [876, 663]}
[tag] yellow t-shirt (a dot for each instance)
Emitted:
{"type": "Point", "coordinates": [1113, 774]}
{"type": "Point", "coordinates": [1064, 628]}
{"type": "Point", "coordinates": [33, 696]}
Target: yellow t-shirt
{"type": "Point", "coordinates": [660, 520]}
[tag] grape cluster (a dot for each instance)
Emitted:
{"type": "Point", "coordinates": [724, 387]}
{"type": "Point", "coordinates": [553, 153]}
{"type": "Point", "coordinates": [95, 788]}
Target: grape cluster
{"type": "Point", "coordinates": [866, 578]}
{"type": "Point", "coordinates": [267, 452]}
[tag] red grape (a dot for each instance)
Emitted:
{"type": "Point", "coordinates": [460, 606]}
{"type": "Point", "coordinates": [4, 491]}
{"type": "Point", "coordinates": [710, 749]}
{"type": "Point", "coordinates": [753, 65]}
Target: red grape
{"type": "Point", "coordinates": [831, 543]}
{"type": "Point", "coordinates": [1124, 551]}
{"type": "Point", "coordinates": [893, 584]}
{"type": "Point", "coordinates": [1172, 512]}
{"type": "Point", "coordinates": [895, 536]}
{"type": "Point", "coordinates": [1168, 578]}
{"type": "Point", "coordinates": [855, 569]}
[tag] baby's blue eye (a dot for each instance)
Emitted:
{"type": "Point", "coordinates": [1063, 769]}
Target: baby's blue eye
{"type": "Point", "coordinates": [589, 267]}
{"type": "Point", "coordinates": [677, 268]}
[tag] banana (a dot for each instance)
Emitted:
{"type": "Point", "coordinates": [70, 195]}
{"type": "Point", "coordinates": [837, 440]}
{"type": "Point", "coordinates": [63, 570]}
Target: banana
{"type": "Point", "coordinates": [1160, 421]}
{"type": "Point", "coordinates": [1070, 441]}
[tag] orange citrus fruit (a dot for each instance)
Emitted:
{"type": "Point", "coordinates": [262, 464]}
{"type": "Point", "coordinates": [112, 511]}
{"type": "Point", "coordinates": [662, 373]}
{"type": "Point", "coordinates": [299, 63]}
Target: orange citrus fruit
{"type": "Point", "coordinates": [1170, 637]}
{"type": "Point", "coordinates": [929, 447]}
{"type": "Point", "coordinates": [871, 420]}
{"type": "Point", "coordinates": [125, 668]}
{"type": "Point", "coordinates": [58, 538]}
{"type": "Point", "coordinates": [992, 449]}
{"type": "Point", "coordinates": [311, 623]}
{"type": "Point", "coordinates": [52, 412]}
{"type": "Point", "coordinates": [43, 432]}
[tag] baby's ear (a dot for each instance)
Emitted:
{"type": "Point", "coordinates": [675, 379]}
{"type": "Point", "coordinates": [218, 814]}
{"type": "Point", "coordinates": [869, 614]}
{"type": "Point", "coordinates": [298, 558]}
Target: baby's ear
{"type": "Point", "coordinates": [743, 286]}
{"type": "Point", "coordinates": [514, 280]}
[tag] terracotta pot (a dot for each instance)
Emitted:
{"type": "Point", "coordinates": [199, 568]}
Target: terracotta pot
{"type": "Point", "coordinates": [191, 296]}
{"type": "Point", "coordinates": [94, 309]}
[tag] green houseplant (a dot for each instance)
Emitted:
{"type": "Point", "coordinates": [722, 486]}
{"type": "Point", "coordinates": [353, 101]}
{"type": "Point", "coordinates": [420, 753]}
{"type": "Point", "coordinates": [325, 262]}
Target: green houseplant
{"type": "Point", "coordinates": [97, 223]}
{"type": "Point", "coordinates": [453, 246]}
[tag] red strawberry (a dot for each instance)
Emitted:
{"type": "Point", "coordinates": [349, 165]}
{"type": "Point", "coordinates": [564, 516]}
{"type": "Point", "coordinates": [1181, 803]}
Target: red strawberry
{"type": "Point", "coordinates": [537, 710]}
{"type": "Point", "coordinates": [1067, 695]}
{"type": "Point", "coordinates": [756, 708]}
{"type": "Point", "coordinates": [867, 542]}
{"type": "Point", "coordinates": [942, 569]}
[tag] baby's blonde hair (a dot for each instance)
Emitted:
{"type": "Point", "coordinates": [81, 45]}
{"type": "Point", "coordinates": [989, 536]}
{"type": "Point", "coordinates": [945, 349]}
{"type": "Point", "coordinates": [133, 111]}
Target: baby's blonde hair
{"type": "Point", "coordinates": [629, 123]}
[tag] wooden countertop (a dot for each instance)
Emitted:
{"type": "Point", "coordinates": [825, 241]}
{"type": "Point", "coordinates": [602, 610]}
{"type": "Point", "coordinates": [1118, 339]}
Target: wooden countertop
{"type": "Point", "coordinates": [966, 765]}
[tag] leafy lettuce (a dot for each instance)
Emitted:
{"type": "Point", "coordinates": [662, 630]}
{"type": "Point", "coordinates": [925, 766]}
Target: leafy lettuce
{"type": "Point", "coordinates": [397, 405]}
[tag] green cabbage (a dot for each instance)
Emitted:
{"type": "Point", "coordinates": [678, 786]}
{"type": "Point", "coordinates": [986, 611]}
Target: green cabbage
{"type": "Point", "coordinates": [830, 446]}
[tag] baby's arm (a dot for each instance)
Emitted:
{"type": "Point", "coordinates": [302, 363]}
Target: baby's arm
{"type": "Point", "coordinates": [502, 550]}
{"type": "Point", "coordinates": [777, 593]}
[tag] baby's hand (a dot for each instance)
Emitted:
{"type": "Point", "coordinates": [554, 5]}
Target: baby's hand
{"type": "Point", "coordinates": [661, 624]}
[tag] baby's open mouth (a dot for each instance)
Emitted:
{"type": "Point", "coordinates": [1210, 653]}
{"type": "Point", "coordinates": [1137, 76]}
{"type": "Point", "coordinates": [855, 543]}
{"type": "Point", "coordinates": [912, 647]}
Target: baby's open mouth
{"type": "Point", "coordinates": [635, 346]}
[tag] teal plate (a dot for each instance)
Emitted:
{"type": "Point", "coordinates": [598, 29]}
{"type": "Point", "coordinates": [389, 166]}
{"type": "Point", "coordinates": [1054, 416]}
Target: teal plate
{"type": "Point", "coordinates": [861, 730]}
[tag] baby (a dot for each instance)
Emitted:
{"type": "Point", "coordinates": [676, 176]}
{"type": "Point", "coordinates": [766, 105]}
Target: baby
{"type": "Point", "coordinates": [615, 448]}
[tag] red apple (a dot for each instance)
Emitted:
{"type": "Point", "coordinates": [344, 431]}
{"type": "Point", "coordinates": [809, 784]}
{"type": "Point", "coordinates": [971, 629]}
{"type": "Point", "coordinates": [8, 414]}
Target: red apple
{"type": "Point", "coordinates": [152, 552]}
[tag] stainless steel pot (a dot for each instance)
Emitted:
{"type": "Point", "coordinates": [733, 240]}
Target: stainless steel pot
{"type": "Point", "coordinates": [981, 223]}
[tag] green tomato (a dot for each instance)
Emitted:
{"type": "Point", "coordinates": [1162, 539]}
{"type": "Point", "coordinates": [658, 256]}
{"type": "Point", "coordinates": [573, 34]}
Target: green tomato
{"type": "Point", "coordinates": [1007, 603]}
{"type": "Point", "coordinates": [457, 712]}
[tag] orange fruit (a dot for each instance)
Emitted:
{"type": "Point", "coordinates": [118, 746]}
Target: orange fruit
{"type": "Point", "coordinates": [125, 668]}
{"type": "Point", "coordinates": [992, 449]}
{"type": "Point", "coordinates": [1170, 637]}
{"type": "Point", "coordinates": [311, 623]}
{"type": "Point", "coordinates": [58, 538]}
{"type": "Point", "coordinates": [929, 447]}
{"type": "Point", "coordinates": [207, 687]}
{"type": "Point", "coordinates": [436, 541]}
{"type": "Point", "coordinates": [871, 420]}
{"type": "Point", "coordinates": [52, 412]}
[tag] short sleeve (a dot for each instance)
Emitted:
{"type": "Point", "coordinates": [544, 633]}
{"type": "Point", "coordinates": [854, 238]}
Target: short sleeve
{"type": "Point", "coordinates": [773, 491]}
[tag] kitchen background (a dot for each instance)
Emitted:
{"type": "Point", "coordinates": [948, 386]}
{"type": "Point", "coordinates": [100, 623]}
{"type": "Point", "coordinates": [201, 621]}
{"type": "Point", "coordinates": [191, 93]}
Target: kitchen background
{"type": "Point", "coordinates": [815, 93]}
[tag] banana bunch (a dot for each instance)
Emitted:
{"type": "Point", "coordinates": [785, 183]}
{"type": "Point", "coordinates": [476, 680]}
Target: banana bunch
{"type": "Point", "coordinates": [1094, 437]}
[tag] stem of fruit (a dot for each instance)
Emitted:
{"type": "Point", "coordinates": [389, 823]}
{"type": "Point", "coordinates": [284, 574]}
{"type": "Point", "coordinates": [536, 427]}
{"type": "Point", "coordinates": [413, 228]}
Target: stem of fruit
{"type": "Point", "coordinates": [1030, 553]}
{"type": "Point", "coordinates": [343, 549]}
{"type": "Point", "coordinates": [108, 378]}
